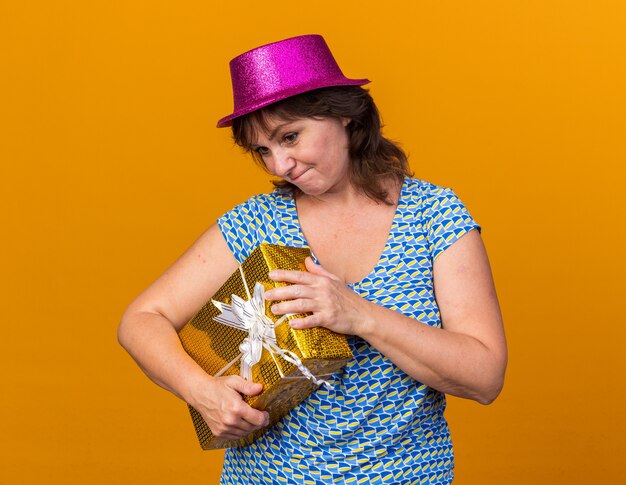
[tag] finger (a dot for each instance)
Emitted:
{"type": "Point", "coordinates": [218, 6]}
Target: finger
{"type": "Point", "coordinates": [317, 269]}
{"type": "Point", "coordinates": [290, 292]}
{"type": "Point", "coordinates": [243, 411]}
{"type": "Point", "coordinates": [241, 429]}
{"type": "Point", "coordinates": [243, 386]}
{"type": "Point", "coordinates": [239, 418]}
{"type": "Point", "coordinates": [289, 276]}
{"type": "Point", "coordinates": [230, 424]}
{"type": "Point", "coordinates": [301, 305]}
{"type": "Point", "coordinates": [234, 432]}
{"type": "Point", "coordinates": [255, 418]}
{"type": "Point", "coordinates": [244, 424]}
{"type": "Point", "coordinates": [306, 322]}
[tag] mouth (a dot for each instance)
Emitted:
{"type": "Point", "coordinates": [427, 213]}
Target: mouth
{"type": "Point", "coordinates": [296, 177]}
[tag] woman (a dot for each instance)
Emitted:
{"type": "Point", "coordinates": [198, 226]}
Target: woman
{"type": "Point", "coordinates": [400, 270]}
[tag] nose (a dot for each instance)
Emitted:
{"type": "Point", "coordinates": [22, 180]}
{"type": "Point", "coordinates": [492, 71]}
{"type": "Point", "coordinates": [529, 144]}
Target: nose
{"type": "Point", "coordinates": [283, 162]}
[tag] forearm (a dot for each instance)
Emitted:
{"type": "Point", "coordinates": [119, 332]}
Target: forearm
{"type": "Point", "coordinates": [450, 362]}
{"type": "Point", "coordinates": [154, 344]}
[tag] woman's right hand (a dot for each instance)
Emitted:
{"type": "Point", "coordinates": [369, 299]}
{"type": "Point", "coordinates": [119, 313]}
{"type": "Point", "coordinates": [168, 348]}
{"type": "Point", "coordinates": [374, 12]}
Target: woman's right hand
{"type": "Point", "coordinates": [149, 332]}
{"type": "Point", "coordinates": [219, 401]}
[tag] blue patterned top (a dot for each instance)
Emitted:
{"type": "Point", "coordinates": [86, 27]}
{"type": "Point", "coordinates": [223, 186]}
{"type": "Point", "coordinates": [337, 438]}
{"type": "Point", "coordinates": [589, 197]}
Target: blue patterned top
{"type": "Point", "coordinates": [376, 425]}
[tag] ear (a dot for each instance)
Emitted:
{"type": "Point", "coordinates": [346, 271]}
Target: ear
{"type": "Point", "coordinates": [345, 121]}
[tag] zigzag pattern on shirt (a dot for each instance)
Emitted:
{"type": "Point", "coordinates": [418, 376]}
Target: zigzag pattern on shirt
{"type": "Point", "coordinates": [377, 425]}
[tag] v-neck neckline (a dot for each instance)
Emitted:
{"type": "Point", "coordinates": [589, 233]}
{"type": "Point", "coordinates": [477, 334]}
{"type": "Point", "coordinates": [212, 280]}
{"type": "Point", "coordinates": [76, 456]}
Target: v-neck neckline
{"type": "Point", "coordinates": [394, 223]}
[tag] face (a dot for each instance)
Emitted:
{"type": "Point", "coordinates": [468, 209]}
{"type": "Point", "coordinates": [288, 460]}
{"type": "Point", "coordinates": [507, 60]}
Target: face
{"type": "Point", "coordinates": [311, 153]}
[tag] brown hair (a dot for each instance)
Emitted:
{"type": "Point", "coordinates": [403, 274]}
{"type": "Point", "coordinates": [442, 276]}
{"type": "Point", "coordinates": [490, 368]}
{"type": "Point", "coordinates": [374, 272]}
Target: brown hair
{"type": "Point", "coordinates": [373, 158]}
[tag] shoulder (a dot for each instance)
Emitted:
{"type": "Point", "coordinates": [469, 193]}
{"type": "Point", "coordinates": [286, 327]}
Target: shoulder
{"type": "Point", "coordinates": [418, 188]}
{"type": "Point", "coordinates": [431, 199]}
{"type": "Point", "coordinates": [436, 212]}
{"type": "Point", "coordinates": [245, 225]}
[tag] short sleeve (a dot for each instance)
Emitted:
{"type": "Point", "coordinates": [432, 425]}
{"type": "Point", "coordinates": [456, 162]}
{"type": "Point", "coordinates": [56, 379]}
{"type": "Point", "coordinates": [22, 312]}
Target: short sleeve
{"type": "Point", "coordinates": [449, 220]}
{"type": "Point", "coordinates": [239, 227]}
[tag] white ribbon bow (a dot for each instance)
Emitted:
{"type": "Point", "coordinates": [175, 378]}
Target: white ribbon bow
{"type": "Point", "coordinates": [250, 317]}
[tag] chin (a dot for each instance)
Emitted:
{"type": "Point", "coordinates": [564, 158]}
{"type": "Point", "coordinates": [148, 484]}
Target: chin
{"type": "Point", "coordinates": [313, 191]}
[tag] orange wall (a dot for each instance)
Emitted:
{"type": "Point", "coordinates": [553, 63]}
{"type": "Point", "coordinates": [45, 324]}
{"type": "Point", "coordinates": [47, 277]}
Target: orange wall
{"type": "Point", "coordinates": [111, 166]}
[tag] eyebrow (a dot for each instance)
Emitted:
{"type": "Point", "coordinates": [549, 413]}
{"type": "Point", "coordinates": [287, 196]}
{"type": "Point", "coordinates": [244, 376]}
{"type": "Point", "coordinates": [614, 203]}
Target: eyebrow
{"type": "Point", "coordinates": [278, 128]}
{"type": "Point", "coordinates": [273, 133]}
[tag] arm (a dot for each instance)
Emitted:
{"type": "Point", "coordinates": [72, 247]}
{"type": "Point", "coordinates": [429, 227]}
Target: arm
{"type": "Point", "coordinates": [466, 357]}
{"type": "Point", "coordinates": [149, 332]}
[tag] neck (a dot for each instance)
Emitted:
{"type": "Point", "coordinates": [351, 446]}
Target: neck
{"type": "Point", "coordinates": [348, 196]}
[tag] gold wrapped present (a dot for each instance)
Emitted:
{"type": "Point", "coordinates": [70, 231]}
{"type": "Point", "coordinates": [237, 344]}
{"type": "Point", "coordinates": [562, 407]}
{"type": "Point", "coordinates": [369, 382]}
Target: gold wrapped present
{"type": "Point", "coordinates": [236, 333]}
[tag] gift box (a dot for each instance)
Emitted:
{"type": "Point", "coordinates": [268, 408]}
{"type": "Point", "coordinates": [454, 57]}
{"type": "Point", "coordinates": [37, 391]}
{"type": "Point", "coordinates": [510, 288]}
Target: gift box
{"type": "Point", "coordinates": [236, 328]}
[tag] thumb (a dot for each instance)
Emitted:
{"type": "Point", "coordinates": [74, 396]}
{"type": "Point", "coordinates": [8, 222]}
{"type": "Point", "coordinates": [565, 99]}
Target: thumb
{"type": "Point", "coordinates": [318, 269]}
{"type": "Point", "coordinates": [243, 386]}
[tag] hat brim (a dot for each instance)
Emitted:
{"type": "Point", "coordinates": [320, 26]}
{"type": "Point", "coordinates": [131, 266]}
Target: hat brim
{"type": "Point", "coordinates": [228, 120]}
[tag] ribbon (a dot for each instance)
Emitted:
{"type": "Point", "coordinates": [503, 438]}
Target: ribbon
{"type": "Point", "coordinates": [250, 317]}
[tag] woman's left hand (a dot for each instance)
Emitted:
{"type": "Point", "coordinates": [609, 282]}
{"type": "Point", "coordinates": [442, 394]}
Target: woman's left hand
{"type": "Point", "coordinates": [331, 303]}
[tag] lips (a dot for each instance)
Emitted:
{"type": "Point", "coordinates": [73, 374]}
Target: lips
{"type": "Point", "coordinates": [296, 177]}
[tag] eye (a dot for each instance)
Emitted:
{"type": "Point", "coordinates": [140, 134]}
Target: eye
{"type": "Point", "coordinates": [290, 137]}
{"type": "Point", "coordinates": [262, 151]}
